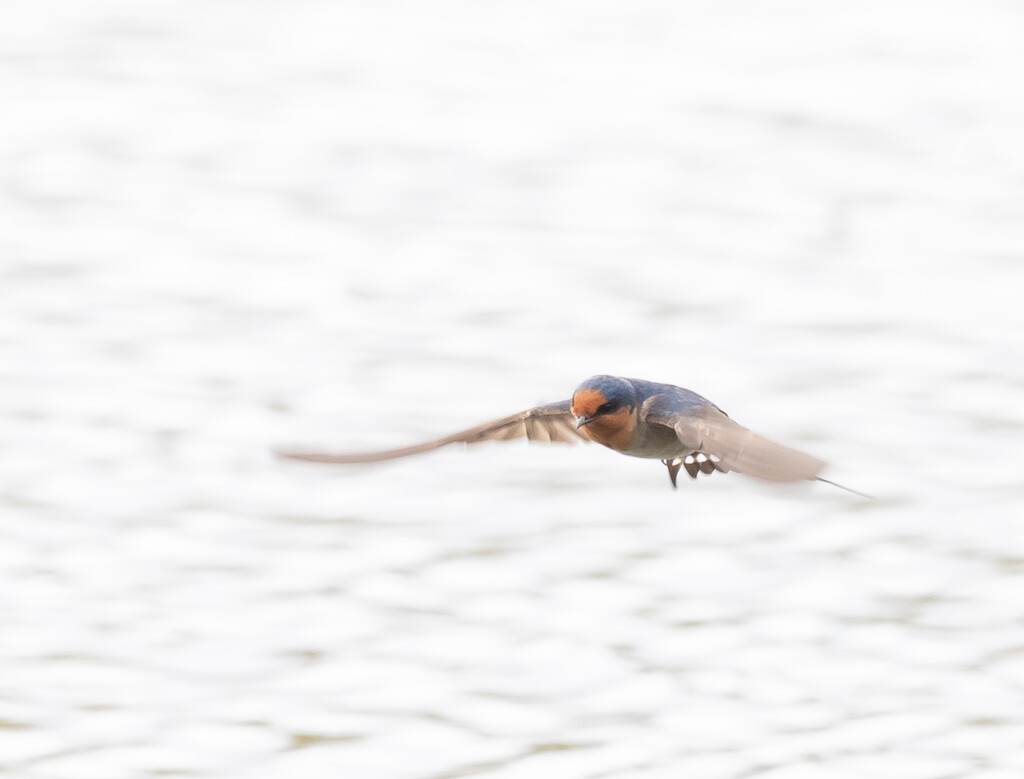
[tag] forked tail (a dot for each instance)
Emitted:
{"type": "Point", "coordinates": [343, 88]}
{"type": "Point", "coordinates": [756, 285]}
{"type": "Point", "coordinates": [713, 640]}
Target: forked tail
{"type": "Point", "coordinates": [840, 486]}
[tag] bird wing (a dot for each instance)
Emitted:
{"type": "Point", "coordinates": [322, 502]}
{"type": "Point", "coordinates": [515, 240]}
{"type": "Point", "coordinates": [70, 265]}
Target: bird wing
{"type": "Point", "coordinates": [553, 422]}
{"type": "Point", "coordinates": [704, 428]}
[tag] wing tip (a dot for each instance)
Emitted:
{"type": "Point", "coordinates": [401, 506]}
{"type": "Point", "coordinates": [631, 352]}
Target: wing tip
{"type": "Point", "coordinates": [327, 458]}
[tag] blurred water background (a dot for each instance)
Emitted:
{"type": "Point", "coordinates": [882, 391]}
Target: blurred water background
{"type": "Point", "coordinates": [228, 226]}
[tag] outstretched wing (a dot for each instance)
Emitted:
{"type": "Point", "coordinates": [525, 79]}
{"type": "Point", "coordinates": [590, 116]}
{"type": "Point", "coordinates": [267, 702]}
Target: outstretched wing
{"type": "Point", "coordinates": [553, 422]}
{"type": "Point", "coordinates": [704, 429]}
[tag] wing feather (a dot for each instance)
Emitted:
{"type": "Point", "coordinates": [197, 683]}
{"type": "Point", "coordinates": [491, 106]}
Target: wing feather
{"type": "Point", "coordinates": [550, 423]}
{"type": "Point", "coordinates": [705, 429]}
{"type": "Point", "coordinates": [536, 432]}
{"type": "Point", "coordinates": [741, 450]}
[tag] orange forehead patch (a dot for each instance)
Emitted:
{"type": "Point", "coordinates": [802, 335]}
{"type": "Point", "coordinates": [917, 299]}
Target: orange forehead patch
{"type": "Point", "coordinates": [586, 402]}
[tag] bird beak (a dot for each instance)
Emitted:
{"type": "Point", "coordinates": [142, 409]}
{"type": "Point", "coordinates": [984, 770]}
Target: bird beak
{"type": "Point", "coordinates": [581, 421]}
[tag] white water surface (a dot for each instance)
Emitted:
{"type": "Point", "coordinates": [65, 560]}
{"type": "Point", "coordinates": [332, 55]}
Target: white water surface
{"type": "Point", "coordinates": [228, 226]}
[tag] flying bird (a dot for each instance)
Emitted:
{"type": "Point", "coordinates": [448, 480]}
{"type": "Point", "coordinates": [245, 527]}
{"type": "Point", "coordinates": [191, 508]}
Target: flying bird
{"type": "Point", "coordinates": [634, 417]}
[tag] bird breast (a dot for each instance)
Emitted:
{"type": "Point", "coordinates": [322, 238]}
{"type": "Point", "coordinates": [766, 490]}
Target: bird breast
{"type": "Point", "coordinates": [616, 431]}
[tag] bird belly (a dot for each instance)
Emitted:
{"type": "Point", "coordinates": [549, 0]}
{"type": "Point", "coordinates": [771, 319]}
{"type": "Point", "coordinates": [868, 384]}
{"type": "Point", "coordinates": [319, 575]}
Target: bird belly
{"type": "Point", "coordinates": [656, 442]}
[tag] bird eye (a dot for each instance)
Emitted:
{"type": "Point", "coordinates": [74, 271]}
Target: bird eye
{"type": "Point", "coordinates": [606, 408]}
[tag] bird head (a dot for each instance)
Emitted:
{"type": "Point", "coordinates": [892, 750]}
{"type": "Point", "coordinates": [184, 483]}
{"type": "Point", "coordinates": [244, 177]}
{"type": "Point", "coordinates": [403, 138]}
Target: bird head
{"type": "Point", "coordinates": [601, 396]}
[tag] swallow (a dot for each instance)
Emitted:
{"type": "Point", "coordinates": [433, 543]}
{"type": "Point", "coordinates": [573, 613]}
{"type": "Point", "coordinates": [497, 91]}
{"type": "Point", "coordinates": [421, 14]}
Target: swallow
{"type": "Point", "coordinates": [633, 417]}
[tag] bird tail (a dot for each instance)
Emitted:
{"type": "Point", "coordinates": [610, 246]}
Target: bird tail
{"type": "Point", "coordinates": [848, 489]}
